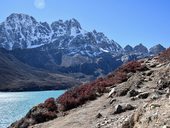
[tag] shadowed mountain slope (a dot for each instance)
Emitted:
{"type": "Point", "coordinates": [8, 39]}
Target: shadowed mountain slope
{"type": "Point", "coordinates": [17, 76]}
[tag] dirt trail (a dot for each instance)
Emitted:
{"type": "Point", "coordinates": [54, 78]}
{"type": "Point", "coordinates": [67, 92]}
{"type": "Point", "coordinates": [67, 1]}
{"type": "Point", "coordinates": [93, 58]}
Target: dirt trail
{"type": "Point", "coordinates": [151, 105]}
{"type": "Point", "coordinates": [82, 117]}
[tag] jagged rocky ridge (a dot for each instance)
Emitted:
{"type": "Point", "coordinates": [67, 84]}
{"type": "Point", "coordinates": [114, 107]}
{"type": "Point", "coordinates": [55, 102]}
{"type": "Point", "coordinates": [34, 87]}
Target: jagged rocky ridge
{"type": "Point", "coordinates": [62, 47]}
{"type": "Point", "coordinates": [23, 31]}
{"type": "Point", "coordinates": [135, 95]}
{"type": "Point", "coordinates": [65, 47]}
{"type": "Point", "coordinates": [141, 49]}
{"type": "Point", "coordinates": [156, 49]}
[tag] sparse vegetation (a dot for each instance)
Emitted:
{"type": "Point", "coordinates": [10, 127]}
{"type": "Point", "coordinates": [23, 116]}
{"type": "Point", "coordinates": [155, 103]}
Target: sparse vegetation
{"type": "Point", "coordinates": [50, 104]}
{"type": "Point", "coordinates": [165, 56]}
{"type": "Point", "coordinates": [79, 95]}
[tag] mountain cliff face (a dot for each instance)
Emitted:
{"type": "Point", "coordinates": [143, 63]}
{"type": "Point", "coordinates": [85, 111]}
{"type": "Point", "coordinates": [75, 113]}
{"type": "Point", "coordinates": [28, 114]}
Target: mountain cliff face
{"type": "Point", "coordinates": [23, 31]}
{"type": "Point", "coordinates": [128, 48]}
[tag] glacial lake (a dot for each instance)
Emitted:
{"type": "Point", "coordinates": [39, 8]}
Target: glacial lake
{"type": "Point", "coordinates": [15, 105]}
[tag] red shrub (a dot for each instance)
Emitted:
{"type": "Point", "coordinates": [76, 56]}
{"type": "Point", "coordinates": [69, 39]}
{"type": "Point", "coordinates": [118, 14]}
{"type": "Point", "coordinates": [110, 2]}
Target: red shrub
{"type": "Point", "coordinates": [133, 66]}
{"type": "Point", "coordinates": [119, 77]}
{"type": "Point", "coordinates": [79, 95]}
{"type": "Point", "coordinates": [50, 104]}
{"type": "Point", "coordinates": [165, 56]}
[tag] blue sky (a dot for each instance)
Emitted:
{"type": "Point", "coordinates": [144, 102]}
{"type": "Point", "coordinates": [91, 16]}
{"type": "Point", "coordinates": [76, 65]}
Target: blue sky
{"type": "Point", "coordinates": [125, 21]}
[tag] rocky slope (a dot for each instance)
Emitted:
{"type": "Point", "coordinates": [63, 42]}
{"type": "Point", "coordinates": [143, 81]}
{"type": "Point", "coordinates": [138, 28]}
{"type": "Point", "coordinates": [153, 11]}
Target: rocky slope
{"type": "Point", "coordinates": [17, 76]}
{"type": "Point", "coordinates": [134, 96]}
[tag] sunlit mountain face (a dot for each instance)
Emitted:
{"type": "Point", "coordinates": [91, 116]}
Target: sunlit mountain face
{"type": "Point", "coordinates": [65, 47]}
{"type": "Point", "coordinates": [91, 55]}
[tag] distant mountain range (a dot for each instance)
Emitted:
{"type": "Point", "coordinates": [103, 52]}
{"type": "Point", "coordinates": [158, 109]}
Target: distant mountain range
{"type": "Point", "coordinates": [23, 31]}
{"type": "Point", "coordinates": [64, 47]}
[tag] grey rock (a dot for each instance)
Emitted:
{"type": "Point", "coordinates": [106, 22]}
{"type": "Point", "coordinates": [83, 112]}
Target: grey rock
{"type": "Point", "coordinates": [111, 92]}
{"type": "Point", "coordinates": [99, 115]}
{"type": "Point", "coordinates": [132, 93]}
{"type": "Point", "coordinates": [122, 108]}
{"type": "Point", "coordinates": [112, 100]}
{"type": "Point", "coordinates": [155, 96]}
{"type": "Point", "coordinates": [143, 95]}
{"type": "Point", "coordinates": [118, 109]}
{"type": "Point", "coordinates": [166, 126]}
{"type": "Point", "coordinates": [148, 73]}
{"type": "Point", "coordinates": [129, 107]}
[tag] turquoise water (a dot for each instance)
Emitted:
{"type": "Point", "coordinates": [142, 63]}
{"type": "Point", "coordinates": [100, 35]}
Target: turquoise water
{"type": "Point", "coordinates": [14, 105]}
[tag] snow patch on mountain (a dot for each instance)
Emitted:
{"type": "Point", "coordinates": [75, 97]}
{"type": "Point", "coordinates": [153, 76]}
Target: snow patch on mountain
{"type": "Point", "coordinates": [35, 46]}
{"type": "Point", "coordinates": [103, 50]}
{"type": "Point", "coordinates": [23, 31]}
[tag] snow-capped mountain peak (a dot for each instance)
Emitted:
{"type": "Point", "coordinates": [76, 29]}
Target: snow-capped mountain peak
{"type": "Point", "coordinates": [23, 31]}
{"type": "Point", "coordinates": [73, 23]}
{"type": "Point", "coordinates": [156, 49]}
{"type": "Point", "coordinates": [20, 18]}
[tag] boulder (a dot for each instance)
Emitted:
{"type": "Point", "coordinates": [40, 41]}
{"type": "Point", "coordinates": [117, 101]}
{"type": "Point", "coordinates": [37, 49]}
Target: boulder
{"type": "Point", "coordinates": [162, 84]}
{"type": "Point", "coordinates": [166, 126]}
{"type": "Point", "coordinates": [122, 89]}
{"type": "Point", "coordinates": [133, 93]}
{"type": "Point", "coordinates": [118, 109]}
{"type": "Point", "coordinates": [112, 100]}
{"type": "Point", "coordinates": [143, 95]}
{"type": "Point", "coordinates": [99, 115]}
{"type": "Point", "coordinates": [111, 92]}
{"type": "Point", "coordinates": [122, 108]}
{"type": "Point", "coordinates": [129, 107]}
{"type": "Point", "coordinates": [148, 73]}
